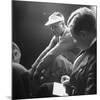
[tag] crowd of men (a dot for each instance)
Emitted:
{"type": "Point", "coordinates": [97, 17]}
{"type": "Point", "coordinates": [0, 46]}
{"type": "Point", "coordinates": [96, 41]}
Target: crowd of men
{"type": "Point", "coordinates": [69, 59]}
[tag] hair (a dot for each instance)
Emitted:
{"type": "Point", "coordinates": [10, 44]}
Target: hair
{"type": "Point", "coordinates": [83, 19]}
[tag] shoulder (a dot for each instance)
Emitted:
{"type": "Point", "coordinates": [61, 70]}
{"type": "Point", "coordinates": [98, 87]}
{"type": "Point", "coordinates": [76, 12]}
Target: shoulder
{"type": "Point", "coordinates": [18, 68]}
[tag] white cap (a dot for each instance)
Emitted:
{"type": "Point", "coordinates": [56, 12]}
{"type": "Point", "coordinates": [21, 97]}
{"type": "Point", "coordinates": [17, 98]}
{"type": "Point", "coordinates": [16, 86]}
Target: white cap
{"type": "Point", "coordinates": [54, 18]}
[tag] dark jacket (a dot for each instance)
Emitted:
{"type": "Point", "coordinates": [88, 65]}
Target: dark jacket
{"type": "Point", "coordinates": [20, 82]}
{"type": "Point", "coordinates": [83, 79]}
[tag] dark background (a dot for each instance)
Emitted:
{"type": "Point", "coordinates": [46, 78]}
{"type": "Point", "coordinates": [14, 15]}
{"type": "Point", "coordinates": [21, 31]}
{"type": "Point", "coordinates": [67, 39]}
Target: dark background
{"type": "Point", "coordinates": [28, 30]}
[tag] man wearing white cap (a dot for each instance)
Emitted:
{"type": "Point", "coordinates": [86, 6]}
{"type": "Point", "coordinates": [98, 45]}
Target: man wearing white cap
{"type": "Point", "coordinates": [57, 24]}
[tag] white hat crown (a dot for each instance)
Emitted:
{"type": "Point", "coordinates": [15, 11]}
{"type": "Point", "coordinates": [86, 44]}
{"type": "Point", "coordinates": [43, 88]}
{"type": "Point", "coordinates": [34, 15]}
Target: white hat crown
{"type": "Point", "coordinates": [54, 18]}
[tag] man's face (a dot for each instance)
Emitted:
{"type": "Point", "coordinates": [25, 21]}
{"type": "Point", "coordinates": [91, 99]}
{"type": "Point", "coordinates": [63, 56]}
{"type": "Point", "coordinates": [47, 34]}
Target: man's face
{"type": "Point", "coordinates": [16, 55]}
{"type": "Point", "coordinates": [81, 41]}
{"type": "Point", "coordinates": [57, 28]}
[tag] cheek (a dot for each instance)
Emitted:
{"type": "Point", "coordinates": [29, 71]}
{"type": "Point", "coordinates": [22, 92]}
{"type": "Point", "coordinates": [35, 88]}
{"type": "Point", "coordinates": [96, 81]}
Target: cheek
{"type": "Point", "coordinates": [59, 30]}
{"type": "Point", "coordinates": [79, 42]}
{"type": "Point", "coordinates": [77, 39]}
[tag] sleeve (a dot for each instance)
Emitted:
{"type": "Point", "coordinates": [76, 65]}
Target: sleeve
{"type": "Point", "coordinates": [91, 80]}
{"type": "Point", "coordinates": [47, 60]}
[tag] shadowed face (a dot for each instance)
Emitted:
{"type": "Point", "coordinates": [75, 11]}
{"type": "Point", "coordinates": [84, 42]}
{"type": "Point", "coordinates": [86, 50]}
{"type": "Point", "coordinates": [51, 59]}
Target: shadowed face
{"type": "Point", "coordinates": [83, 38]}
{"type": "Point", "coordinates": [57, 28]}
{"type": "Point", "coordinates": [16, 54]}
{"type": "Point", "coordinates": [78, 38]}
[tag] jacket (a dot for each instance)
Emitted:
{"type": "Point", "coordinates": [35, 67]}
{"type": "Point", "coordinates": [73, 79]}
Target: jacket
{"type": "Point", "coordinates": [83, 80]}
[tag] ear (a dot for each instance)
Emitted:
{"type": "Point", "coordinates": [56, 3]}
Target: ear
{"type": "Point", "coordinates": [83, 34]}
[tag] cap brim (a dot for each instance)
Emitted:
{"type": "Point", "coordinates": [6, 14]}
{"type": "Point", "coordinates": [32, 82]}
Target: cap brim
{"type": "Point", "coordinates": [50, 22]}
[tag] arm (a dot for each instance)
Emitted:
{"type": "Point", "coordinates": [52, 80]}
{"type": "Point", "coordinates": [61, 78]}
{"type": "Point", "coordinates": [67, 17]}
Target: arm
{"type": "Point", "coordinates": [48, 59]}
{"type": "Point", "coordinates": [52, 43]}
{"type": "Point", "coordinates": [65, 43]}
{"type": "Point", "coordinates": [39, 58]}
{"type": "Point", "coordinates": [51, 55]}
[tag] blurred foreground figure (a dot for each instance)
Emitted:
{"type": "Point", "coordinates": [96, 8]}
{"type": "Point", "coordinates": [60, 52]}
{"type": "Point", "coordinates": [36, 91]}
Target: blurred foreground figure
{"type": "Point", "coordinates": [20, 76]}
